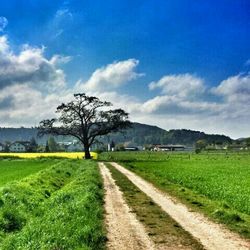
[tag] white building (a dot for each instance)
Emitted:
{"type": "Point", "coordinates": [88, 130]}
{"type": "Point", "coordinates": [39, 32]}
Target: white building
{"type": "Point", "coordinates": [75, 147]}
{"type": "Point", "coordinates": [19, 146]}
{"type": "Point", "coordinates": [169, 147]}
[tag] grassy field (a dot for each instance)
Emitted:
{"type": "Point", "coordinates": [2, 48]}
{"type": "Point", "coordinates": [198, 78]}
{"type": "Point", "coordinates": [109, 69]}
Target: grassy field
{"type": "Point", "coordinates": [12, 170]}
{"type": "Point", "coordinates": [216, 184]}
{"type": "Point", "coordinates": [59, 207]}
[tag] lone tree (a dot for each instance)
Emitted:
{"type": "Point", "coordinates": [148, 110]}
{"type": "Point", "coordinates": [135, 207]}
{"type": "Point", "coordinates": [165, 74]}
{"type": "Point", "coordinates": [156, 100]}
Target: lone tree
{"type": "Point", "coordinates": [85, 118]}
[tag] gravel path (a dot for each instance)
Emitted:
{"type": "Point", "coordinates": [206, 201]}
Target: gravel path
{"type": "Point", "coordinates": [211, 235]}
{"type": "Point", "coordinates": [124, 230]}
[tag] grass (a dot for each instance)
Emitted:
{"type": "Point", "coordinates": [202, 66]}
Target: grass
{"type": "Point", "coordinates": [13, 169]}
{"type": "Point", "coordinates": [216, 184]}
{"type": "Point", "coordinates": [59, 207]}
{"type": "Point", "coordinates": [69, 155]}
{"type": "Point", "coordinates": [161, 228]}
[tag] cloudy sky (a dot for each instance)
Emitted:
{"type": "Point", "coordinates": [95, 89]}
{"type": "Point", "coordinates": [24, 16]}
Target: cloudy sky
{"type": "Point", "coordinates": [174, 64]}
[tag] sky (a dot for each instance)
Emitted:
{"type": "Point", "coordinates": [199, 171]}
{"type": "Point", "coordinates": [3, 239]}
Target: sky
{"type": "Point", "coordinates": [174, 64]}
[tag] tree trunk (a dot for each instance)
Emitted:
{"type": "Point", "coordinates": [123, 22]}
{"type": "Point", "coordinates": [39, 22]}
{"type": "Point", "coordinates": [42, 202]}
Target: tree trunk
{"type": "Point", "coordinates": [87, 153]}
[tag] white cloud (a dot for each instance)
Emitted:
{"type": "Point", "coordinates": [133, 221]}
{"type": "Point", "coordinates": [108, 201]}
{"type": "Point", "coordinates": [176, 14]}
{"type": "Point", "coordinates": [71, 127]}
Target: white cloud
{"type": "Point", "coordinates": [30, 67]}
{"type": "Point", "coordinates": [228, 113]}
{"type": "Point", "coordinates": [175, 105]}
{"type": "Point", "coordinates": [23, 105]}
{"type": "Point", "coordinates": [62, 13]}
{"type": "Point", "coordinates": [111, 76]}
{"type": "Point", "coordinates": [59, 59]}
{"type": "Point", "coordinates": [3, 23]}
{"type": "Point", "coordinates": [235, 88]}
{"type": "Point", "coordinates": [183, 85]}
{"type": "Point", "coordinates": [180, 94]}
{"type": "Point", "coordinates": [31, 87]}
{"type": "Point", "coordinates": [60, 23]}
{"type": "Point", "coordinates": [4, 46]}
{"type": "Point", "coordinates": [235, 92]}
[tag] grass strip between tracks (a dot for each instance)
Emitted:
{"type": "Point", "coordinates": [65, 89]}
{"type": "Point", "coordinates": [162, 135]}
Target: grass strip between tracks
{"type": "Point", "coordinates": [161, 228]}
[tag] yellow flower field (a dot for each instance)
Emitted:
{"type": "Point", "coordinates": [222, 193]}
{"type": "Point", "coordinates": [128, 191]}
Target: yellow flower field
{"type": "Point", "coordinates": [71, 155]}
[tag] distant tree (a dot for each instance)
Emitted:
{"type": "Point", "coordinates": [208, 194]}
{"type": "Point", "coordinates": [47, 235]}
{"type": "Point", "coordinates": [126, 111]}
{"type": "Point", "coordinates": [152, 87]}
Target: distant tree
{"type": "Point", "coordinates": [200, 145]}
{"type": "Point", "coordinates": [248, 142]}
{"type": "Point", "coordinates": [119, 147]}
{"type": "Point", "coordinates": [53, 147]}
{"type": "Point", "coordinates": [33, 145]}
{"type": "Point", "coordinates": [7, 146]}
{"type": "Point", "coordinates": [85, 118]}
{"type": "Point", "coordinates": [40, 148]}
{"type": "Point", "coordinates": [238, 142]}
{"type": "Point", "coordinates": [47, 147]}
{"type": "Point", "coordinates": [148, 147]}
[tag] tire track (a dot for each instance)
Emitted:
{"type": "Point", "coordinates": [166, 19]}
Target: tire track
{"type": "Point", "coordinates": [211, 235]}
{"type": "Point", "coordinates": [124, 230]}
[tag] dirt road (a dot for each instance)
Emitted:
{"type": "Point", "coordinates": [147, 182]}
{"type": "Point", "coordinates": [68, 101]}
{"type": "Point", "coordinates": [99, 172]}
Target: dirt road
{"type": "Point", "coordinates": [211, 235]}
{"type": "Point", "coordinates": [124, 230]}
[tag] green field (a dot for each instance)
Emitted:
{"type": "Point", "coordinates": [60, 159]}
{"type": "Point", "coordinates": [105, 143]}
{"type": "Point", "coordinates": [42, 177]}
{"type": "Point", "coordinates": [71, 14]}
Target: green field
{"type": "Point", "coordinates": [13, 169]}
{"type": "Point", "coordinates": [58, 203]}
{"type": "Point", "coordinates": [58, 207]}
{"type": "Point", "coordinates": [216, 184]}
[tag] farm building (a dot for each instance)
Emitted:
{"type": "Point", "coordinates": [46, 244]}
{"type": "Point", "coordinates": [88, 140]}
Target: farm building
{"type": "Point", "coordinates": [169, 147]}
{"type": "Point", "coordinates": [75, 147]}
{"type": "Point", "coordinates": [131, 148]}
{"type": "Point", "coordinates": [19, 146]}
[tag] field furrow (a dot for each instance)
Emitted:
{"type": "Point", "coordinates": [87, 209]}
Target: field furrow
{"type": "Point", "coordinates": [57, 208]}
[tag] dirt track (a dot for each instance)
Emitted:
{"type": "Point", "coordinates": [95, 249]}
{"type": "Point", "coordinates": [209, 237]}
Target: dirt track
{"type": "Point", "coordinates": [124, 230]}
{"type": "Point", "coordinates": [211, 235]}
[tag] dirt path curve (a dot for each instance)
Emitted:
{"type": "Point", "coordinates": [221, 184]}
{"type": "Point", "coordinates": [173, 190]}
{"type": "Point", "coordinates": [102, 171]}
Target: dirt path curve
{"type": "Point", "coordinates": [211, 235]}
{"type": "Point", "coordinates": [124, 230]}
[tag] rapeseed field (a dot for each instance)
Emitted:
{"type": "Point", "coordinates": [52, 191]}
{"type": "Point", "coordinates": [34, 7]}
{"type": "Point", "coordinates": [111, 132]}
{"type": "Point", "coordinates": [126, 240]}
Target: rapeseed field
{"type": "Point", "coordinates": [69, 155]}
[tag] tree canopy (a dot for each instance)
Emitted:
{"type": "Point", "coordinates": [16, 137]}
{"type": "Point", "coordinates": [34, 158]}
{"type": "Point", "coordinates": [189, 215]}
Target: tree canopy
{"type": "Point", "coordinates": [85, 118]}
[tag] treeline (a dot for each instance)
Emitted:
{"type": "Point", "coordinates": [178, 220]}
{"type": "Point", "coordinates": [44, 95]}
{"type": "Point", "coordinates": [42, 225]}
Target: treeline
{"type": "Point", "coordinates": [138, 134]}
{"type": "Point", "coordinates": [141, 134]}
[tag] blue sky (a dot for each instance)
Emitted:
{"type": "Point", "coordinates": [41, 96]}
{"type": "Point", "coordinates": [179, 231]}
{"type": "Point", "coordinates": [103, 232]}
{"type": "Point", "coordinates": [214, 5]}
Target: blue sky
{"type": "Point", "coordinates": [200, 46]}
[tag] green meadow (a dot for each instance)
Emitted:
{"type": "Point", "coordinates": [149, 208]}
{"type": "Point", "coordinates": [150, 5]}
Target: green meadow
{"type": "Point", "coordinates": [51, 203]}
{"type": "Point", "coordinates": [58, 205]}
{"type": "Point", "coordinates": [15, 169]}
{"type": "Point", "coordinates": [215, 184]}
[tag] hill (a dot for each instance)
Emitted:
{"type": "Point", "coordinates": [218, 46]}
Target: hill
{"type": "Point", "coordinates": [141, 134]}
{"type": "Point", "coordinates": [138, 134]}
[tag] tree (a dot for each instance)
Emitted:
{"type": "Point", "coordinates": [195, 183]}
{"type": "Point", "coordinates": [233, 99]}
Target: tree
{"type": "Point", "coordinates": [33, 145]}
{"type": "Point", "coordinates": [85, 118]}
{"type": "Point", "coordinates": [247, 141]}
{"type": "Point", "coordinates": [7, 146]}
{"type": "Point", "coordinates": [200, 145]}
{"type": "Point", "coordinates": [47, 147]}
{"type": "Point", "coordinates": [119, 147]}
{"type": "Point", "coordinates": [53, 147]}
